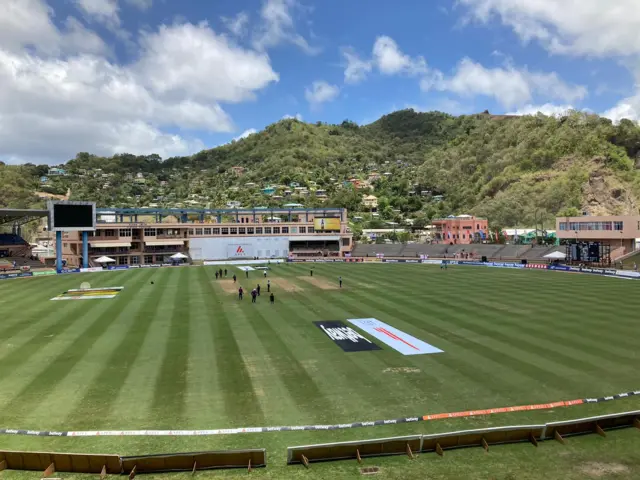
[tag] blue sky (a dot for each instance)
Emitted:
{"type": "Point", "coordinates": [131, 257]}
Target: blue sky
{"type": "Point", "coordinates": [173, 77]}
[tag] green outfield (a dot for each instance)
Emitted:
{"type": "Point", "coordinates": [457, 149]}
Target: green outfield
{"type": "Point", "coordinates": [184, 353]}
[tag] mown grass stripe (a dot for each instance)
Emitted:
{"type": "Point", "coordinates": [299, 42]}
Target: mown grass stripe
{"type": "Point", "coordinates": [171, 385]}
{"type": "Point", "coordinates": [95, 406]}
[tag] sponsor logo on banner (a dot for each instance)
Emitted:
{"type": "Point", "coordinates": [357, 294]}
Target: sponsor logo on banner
{"type": "Point", "coordinates": [346, 337]}
{"type": "Point", "coordinates": [431, 262]}
{"type": "Point", "coordinates": [396, 339]}
{"type": "Point", "coordinates": [625, 273]}
{"type": "Point", "coordinates": [43, 273]}
{"type": "Point", "coordinates": [92, 269]}
{"type": "Point", "coordinates": [119, 267]}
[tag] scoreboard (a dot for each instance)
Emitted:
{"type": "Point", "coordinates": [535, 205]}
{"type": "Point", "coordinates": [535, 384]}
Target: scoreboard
{"type": "Point", "coordinates": [585, 252]}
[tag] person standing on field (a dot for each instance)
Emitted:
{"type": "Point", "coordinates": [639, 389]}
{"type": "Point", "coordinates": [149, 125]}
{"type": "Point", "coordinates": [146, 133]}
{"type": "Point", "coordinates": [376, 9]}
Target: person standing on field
{"type": "Point", "coordinates": [225, 272]}
{"type": "Point", "coordinates": [340, 281]}
{"type": "Point", "coordinates": [311, 272]}
{"type": "Point", "coordinates": [246, 273]}
{"type": "Point", "coordinates": [254, 294]}
{"type": "Point", "coordinates": [216, 274]}
{"type": "Point", "coordinates": [265, 274]}
{"type": "Point", "coordinates": [258, 289]}
{"type": "Point", "coordinates": [240, 291]}
{"type": "Point", "coordinates": [234, 278]}
{"type": "Point", "coordinates": [272, 299]}
{"type": "Point", "coordinates": [268, 285]}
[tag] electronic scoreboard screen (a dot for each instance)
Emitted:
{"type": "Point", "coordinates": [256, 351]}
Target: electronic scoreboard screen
{"type": "Point", "coordinates": [72, 216]}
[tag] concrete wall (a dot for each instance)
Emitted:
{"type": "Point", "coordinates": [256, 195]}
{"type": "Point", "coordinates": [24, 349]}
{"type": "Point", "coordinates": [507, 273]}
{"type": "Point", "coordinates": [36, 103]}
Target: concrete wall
{"type": "Point", "coordinates": [216, 248]}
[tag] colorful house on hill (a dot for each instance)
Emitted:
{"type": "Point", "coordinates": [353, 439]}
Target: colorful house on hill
{"type": "Point", "coordinates": [54, 171]}
{"type": "Point", "coordinates": [269, 190]}
{"type": "Point", "coordinates": [237, 170]}
{"type": "Point", "coordinates": [463, 229]}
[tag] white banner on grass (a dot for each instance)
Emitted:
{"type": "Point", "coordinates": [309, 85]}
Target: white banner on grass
{"type": "Point", "coordinates": [396, 339]}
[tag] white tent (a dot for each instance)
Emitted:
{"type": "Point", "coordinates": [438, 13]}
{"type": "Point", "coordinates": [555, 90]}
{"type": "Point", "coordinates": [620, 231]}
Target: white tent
{"type": "Point", "coordinates": [179, 256]}
{"type": "Point", "coordinates": [104, 260]}
{"type": "Point", "coordinates": [556, 256]}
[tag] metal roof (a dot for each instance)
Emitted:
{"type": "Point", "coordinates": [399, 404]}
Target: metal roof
{"type": "Point", "coordinates": [18, 215]}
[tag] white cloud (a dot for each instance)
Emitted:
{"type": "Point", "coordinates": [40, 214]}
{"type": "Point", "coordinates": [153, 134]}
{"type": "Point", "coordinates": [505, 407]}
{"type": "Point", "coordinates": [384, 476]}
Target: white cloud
{"type": "Point", "coordinates": [548, 109]}
{"type": "Point", "coordinates": [193, 61]}
{"type": "Point", "coordinates": [103, 11]}
{"type": "Point", "coordinates": [511, 87]}
{"type": "Point", "coordinates": [580, 27]}
{"type": "Point", "coordinates": [356, 69]}
{"type": "Point", "coordinates": [391, 61]}
{"type": "Point", "coordinates": [245, 134]}
{"type": "Point", "coordinates": [278, 27]}
{"type": "Point", "coordinates": [297, 116]}
{"type": "Point", "coordinates": [28, 24]}
{"type": "Point", "coordinates": [321, 92]}
{"type": "Point", "coordinates": [237, 25]}
{"type": "Point", "coordinates": [140, 4]}
{"type": "Point", "coordinates": [55, 101]}
{"type": "Point", "coordinates": [628, 108]}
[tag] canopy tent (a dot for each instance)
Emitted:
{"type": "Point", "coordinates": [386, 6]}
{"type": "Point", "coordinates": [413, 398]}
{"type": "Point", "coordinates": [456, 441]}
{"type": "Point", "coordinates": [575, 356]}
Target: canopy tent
{"type": "Point", "coordinates": [179, 256]}
{"type": "Point", "coordinates": [104, 260]}
{"type": "Point", "coordinates": [556, 256]}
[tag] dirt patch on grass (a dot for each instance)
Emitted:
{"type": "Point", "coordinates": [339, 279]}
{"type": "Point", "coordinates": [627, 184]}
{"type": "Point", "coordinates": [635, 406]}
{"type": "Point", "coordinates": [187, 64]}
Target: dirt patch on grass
{"type": "Point", "coordinates": [286, 285]}
{"type": "Point", "coordinates": [598, 469]}
{"type": "Point", "coordinates": [401, 370]}
{"type": "Point", "coordinates": [321, 283]}
{"type": "Point", "coordinates": [228, 286]}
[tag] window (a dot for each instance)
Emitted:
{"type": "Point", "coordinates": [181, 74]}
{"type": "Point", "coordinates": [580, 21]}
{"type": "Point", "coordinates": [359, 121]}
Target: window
{"type": "Point", "coordinates": [215, 231]}
{"type": "Point", "coordinates": [148, 259]}
{"type": "Point", "coordinates": [190, 232]}
{"type": "Point", "coordinates": [242, 231]}
{"type": "Point", "coordinates": [91, 233]}
{"type": "Point", "coordinates": [276, 229]}
{"type": "Point", "coordinates": [303, 229]}
{"type": "Point", "coordinates": [345, 242]}
{"type": "Point", "coordinates": [207, 231]}
{"type": "Point", "coordinates": [267, 230]}
{"type": "Point", "coordinates": [109, 233]}
{"type": "Point", "coordinates": [135, 260]}
{"type": "Point", "coordinates": [65, 245]}
{"type": "Point", "coordinates": [618, 226]}
{"type": "Point", "coordinates": [234, 230]}
{"type": "Point", "coordinates": [135, 246]}
{"type": "Point", "coordinates": [258, 230]}
{"type": "Point", "coordinates": [123, 261]}
{"type": "Point", "coordinates": [477, 226]}
{"type": "Point", "coordinates": [285, 229]}
{"type": "Point", "coordinates": [467, 228]}
{"type": "Point", "coordinates": [225, 231]}
{"type": "Point", "coordinates": [160, 231]}
{"type": "Point", "coordinates": [464, 236]}
{"type": "Point", "coordinates": [198, 231]}
{"type": "Point", "coordinates": [149, 232]}
{"type": "Point", "coordinates": [294, 230]}
{"type": "Point", "coordinates": [250, 230]}
{"type": "Point", "coordinates": [563, 226]}
{"type": "Point", "coordinates": [125, 232]}
{"type": "Point", "coordinates": [309, 229]}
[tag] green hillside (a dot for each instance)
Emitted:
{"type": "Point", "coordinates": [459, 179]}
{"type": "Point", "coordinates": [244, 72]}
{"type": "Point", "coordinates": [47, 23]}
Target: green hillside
{"type": "Point", "coordinates": [513, 170]}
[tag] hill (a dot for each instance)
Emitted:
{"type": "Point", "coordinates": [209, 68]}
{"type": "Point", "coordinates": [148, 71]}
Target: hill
{"type": "Point", "coordinates": [513, 170]}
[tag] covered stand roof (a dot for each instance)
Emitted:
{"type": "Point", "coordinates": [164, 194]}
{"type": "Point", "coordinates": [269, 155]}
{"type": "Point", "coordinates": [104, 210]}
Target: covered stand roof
{"type": "Point", "coordinates": [21, 216]}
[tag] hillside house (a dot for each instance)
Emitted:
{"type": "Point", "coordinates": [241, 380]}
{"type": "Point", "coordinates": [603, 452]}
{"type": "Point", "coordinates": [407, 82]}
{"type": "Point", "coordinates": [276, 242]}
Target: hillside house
{"type": "Point", "coordinates": [370, 201]}
{"type": "Point", "coordinates": [55, 171]}
{"type": "Point", "coordinates": [374, 176]}
{"type": "Point", "coordinates": [321, 193]}
{"type": "Point", "coordinates": [44, 179]}
{"type": "Point", "coordinates": [269, 190]}
{"type": "Point", "coordinates": [237, 170]}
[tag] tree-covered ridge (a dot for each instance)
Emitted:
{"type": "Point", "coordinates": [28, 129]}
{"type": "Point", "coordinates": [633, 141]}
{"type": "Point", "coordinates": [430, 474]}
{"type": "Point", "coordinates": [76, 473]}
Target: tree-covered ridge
{"type": "Point", "coordinates": [513, 170]}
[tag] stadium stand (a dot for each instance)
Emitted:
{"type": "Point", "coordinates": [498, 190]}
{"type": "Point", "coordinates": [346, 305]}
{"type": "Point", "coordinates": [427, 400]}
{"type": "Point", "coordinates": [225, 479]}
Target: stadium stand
{"type": "Point", "coordinates": [14, 248]}
{"type": "Point", "coordinates": [492, 252]}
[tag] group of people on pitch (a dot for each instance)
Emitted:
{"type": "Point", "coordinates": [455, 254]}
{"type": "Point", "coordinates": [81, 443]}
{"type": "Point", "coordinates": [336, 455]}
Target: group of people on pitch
{"type": "Point", "coordinates": [255, 293]}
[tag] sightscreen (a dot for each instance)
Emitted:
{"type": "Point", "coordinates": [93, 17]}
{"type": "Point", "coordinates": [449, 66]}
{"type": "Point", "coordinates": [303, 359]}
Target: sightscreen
{"type": "Point", "coordinates": [72, 216]}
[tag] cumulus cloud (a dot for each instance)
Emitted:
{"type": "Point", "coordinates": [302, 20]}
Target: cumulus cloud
{"type": "Point", "coordinates": [546, 109]}
{"type": "Point", "coordinates": [237, 25]}
{"type": "Point", "coordinates": [628, 108]}
{"type": "Point", "coordinates": [320, 92]}
{"type": "Point", "coordinates": [60, 96]}
{"type": "Point", "coordinates": [297, 116]}
{"type": "Point", "coordinates": [390, 60]}
{"type": "Point", "coordinates": [386, 57]}
{"type": "Point", "coordinates": [580, 27]}
{"type": "Point", "coordinates": [196, 62]}
{"type": "Point", "coordinates": [277, 27]}
{"type": "Point", "coordinates": [140, 4]}
{"type": "Point", "coordinates": [103, 11]}
{"type": "Point", "coordinates": [28, 24]}
{"type": "Point", "coordinates": [511, 87]}
{"type": "Point", "coordinates": [245, 134]}
{"type": "Point", "coordinates": [356, 69]}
